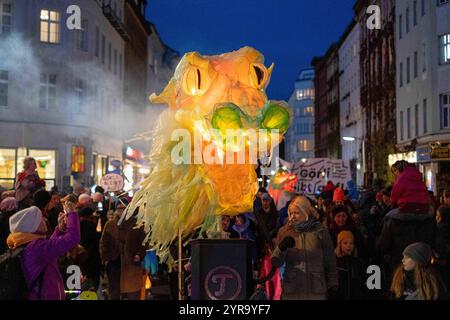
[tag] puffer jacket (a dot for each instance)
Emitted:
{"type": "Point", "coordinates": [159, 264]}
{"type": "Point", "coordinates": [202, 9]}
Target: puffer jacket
{"type": "Point", "coordinates": [409, 191]}
{"type": "Point", "coordinates": [310, 266]}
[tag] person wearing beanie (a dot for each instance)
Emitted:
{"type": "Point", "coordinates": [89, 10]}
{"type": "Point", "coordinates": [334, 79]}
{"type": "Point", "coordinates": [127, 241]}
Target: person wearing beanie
{"type": "Point", "coordinates": [415, 278]}
{"type": "Point", "coordinates": [350, 267]}
{"type": "Point", "coordinates": [8, 207]}
{"type": "Point", "coordinates": [39, 257]}
{"type": "Point", "coordinates": [338, 197]}
{"type": "Point", "coordinates": [304, 246]}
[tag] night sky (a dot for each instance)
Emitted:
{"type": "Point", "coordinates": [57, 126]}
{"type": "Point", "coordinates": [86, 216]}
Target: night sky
{"type": "Point", "coordinates": [288, 32]}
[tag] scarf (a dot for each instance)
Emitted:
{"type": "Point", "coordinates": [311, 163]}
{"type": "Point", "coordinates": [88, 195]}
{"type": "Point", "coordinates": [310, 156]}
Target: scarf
{"type": "Point", "coordinates": [18, 239]}
{"type": "Point", "coordinates": [305, 225]}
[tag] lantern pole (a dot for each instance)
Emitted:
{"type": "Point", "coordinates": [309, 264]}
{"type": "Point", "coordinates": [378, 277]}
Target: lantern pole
{"type": "Point", "coordinates": [180, 276]}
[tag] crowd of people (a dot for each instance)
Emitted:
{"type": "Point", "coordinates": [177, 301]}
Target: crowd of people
{"type": "Point", "coordinates": [53, 231]}
{"type": "Point", "coordinates": [310, 249]}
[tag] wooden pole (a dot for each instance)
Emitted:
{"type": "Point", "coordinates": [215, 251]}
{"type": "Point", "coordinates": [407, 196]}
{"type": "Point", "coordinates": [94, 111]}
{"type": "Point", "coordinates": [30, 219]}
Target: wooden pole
{"type": "Point", "coordinates": [180, 259]}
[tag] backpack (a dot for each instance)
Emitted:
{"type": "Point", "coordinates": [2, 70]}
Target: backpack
{"type": "Point", "coordinates": [12, 280]}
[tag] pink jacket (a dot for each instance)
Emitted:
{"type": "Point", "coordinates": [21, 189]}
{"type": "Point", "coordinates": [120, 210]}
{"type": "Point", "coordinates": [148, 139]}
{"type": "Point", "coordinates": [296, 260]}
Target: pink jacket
{"type": "Point", "coordinates": [409, 188]}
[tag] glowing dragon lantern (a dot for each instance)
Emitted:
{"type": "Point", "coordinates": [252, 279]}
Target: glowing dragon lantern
{"type": "Point", "coordinates": [207, 97]}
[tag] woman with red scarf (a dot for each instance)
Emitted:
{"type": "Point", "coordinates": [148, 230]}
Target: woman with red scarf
{"type": "Point", "coordinates": [27, 183]}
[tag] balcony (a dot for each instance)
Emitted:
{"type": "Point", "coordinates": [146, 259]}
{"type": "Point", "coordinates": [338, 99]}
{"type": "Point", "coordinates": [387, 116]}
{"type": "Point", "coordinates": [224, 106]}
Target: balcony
{"type": "Point", "coordinates": [115, 21]}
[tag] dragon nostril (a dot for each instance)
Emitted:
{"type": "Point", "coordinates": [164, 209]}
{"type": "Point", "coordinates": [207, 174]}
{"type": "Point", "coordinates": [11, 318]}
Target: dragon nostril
{"type": "Point", "coordinates": [199, 78]}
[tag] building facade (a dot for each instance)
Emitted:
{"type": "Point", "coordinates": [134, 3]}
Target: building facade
{"type": "Point", "coordinates": [351, 122]}
{"type": "Point", "coordinates": [300, 136]}
{"type": "Point", "coordinates": [378, 94]}
{"type": "Point", "coordinates": [327, 115]}
{"type": "Point", "coordinates": [423, 86]}
{"type": "Point", "coordinates": [70, 98]}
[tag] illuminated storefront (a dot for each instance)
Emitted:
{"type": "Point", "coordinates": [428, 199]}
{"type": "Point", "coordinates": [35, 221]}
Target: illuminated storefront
{"type": "Point", "coordinates": [11, 162]}
{"type": "Point", "coordinates": [135, 167]}
{"type": "Point", "coordinates": [434, 163]}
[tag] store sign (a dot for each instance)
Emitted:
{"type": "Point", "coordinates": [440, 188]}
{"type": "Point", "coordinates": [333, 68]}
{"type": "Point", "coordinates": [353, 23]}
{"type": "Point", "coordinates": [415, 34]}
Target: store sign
{"type": "Point", "coordinates": [112, 182]}
{"type": "Point", "coordinates": [78, 159]}
{"type": "Point", "coordinates": [423, 154]}
{"type": "Point", "coordinates": [134, 154]}
{"type": "Point", "coordinates": [313, 174]}
{"type": "Point", "coordinates": [440, 151]}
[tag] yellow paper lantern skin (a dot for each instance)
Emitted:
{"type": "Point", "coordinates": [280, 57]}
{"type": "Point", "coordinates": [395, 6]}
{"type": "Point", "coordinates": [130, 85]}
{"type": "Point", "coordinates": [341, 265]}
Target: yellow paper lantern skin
{"type": "Point", "coordinates": [222, 92]}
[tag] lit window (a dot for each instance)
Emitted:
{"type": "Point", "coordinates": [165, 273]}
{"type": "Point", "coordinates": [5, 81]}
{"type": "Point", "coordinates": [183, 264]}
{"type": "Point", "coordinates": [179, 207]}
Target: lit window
{"type": "Point", "coordinates": [50, 26]}
{"type": "Point", "coordinates": [445, 48]}
{"type": "Point", "coordinates": [304, 145]}
{"type": "Point", "coordinates": [7, 168]}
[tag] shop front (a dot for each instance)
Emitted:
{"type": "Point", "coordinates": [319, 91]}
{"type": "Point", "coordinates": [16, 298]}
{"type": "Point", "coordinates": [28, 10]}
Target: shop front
{"type": "Point", "coordinates": [135, 167]}
{"type": "Point", "coordinates": [434, 163]}
{"type": "Point", "coordinates": [11, 163]}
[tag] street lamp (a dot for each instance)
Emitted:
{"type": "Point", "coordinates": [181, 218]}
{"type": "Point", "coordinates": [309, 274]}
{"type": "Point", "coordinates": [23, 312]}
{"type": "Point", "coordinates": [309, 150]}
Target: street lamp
{"type": "Point", "coordinates": [363, 146]}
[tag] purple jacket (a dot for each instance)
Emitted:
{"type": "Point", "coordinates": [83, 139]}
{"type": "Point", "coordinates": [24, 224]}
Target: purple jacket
{"type": "Point", "coordinates": [43, 254]}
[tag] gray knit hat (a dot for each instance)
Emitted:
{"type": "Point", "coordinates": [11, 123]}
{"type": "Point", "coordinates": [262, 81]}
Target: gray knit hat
{"type": "Point", "coordinates": [420, 252]}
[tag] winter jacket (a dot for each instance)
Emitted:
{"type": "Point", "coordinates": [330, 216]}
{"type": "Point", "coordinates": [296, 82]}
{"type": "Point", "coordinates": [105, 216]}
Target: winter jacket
{"type": "Point", "coordinates": [130, 245]}
{"type": "Point", "coordinates": [90, 239]}
{"type": "Point", "coordinates": [109, 242]}
{"type": "Point", "coordinates": [310, 269]}
{"type": "Point", "coordinates": [26, 186]}
{"type": "Point", "coordinates": [41, 255]}
{"type": "Point", "coordinates": [402, 229]}
{"type": "Point", "coordinates": [352, 278]}
{"type": "Point", "coordinates": [409, 191]}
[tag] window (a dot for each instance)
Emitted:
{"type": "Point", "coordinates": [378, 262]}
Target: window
{"type": "Point", "coordinates": [401, 126]}
{"type": "Point", "coordinates": [407, 20]}
{"type": "Point", "coordinates": [423, 8]}
{"type": "Point", "coordinates": [401, 74]}
{"type": "Point", "coordinates": [82, 36]}
{"type": "Point", "coordinates": [97, 42]}
{"type": "Point", "coordinates": [50, 26]}
{"type": "Point", "coordinates": [5, 18]}
{"type": "Point", "coordinates": [445, 102]}
{"type": "Point", "coordinates": [408, 123]}
{"type": "Point", "coordinates": [103, 48]}
{"type": "Point", "coordinates": [115, 61]}
{"type": "Point", "coordinates": [46, 165]}
{"type": "Point", "coordinates": [304, 145]}
{"type": "Point", "coordinates": [7, 168]}
{"type": "Point", "coordinates": [425, 125]}
{"type": "Point", "coordinates": [416, 118]}
{"type": "Point", "coordinates": [415, 13]}
{"type": "Point", "coordinates": [424, 57]}
{"type": "Point", "coordinates": [441, 2]}
{"type": "Point", "coordinates": [400, 26]}
{"type": "Point", "coordinates": [47, 93]}
{"type": "Point", "coordinates": [4, 77]}
{"type": "Point", "coordinates": [309, 111]}
{"type": "Point", "coordinates": [302, 94]}
{"type": "Point", "coordinates": [416, 66]}
{"type": "Point", "coordinates": [109, 56]}
{"type": "Point", "coordinates": [408, 70]}
{"type": "Point", "coordinates": [79, 96]}
{"type": "Point", "coordinates": [445, 48]}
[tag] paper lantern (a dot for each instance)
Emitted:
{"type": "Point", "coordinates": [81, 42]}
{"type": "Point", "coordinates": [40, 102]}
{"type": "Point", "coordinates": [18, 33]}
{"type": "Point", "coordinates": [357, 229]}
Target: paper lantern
{"type": "Point", "coordinates": [207, 97]}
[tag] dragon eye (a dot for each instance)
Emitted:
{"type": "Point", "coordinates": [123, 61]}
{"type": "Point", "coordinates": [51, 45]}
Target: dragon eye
{"type": "Point", "coordinates": [195, 81]}
{"type": "Point", "coordinates": [258, 75]}
{"type": "Point", "coordinates": [276, 116]}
